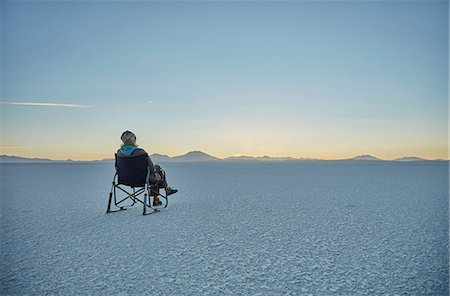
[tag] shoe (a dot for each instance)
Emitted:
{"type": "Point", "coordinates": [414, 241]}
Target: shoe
{"type": "Point", "coordinates": [157, 203]}
{"type": "Point", "coordinates": [171, 191]}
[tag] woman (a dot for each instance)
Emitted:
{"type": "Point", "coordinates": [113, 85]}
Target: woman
{"type": "Point", "coordinates": [157, 175]}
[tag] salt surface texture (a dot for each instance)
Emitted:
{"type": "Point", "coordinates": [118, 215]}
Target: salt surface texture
{"type": "Point", "coordinates": [259, 229]}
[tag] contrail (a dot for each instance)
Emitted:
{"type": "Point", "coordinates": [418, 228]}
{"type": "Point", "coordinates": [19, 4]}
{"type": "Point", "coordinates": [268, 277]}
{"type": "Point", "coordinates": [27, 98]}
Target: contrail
{"type": "Point", "coordinates": [47, 104]}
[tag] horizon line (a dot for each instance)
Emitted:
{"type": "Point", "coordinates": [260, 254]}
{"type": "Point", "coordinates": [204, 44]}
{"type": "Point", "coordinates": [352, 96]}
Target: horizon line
{"type": "Point", "coordinates": [271, 158]}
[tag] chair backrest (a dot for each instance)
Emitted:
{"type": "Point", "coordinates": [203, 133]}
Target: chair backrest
{"type": "Point", "coordinates": [132, 170]}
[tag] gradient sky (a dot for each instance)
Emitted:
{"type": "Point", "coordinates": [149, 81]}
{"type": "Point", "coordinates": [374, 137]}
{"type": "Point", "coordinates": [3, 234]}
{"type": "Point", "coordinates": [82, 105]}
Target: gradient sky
{"type": "Point", "coordinates": [326, 79]}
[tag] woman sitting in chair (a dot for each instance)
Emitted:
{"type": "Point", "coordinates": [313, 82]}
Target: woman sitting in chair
{"type": "Point", "coordinates": [157, 175]}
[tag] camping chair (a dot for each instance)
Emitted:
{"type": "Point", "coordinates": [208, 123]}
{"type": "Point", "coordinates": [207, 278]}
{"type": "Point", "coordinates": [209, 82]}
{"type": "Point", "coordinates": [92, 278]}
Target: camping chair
{"type": "Point", "coordinates": [134, 172]}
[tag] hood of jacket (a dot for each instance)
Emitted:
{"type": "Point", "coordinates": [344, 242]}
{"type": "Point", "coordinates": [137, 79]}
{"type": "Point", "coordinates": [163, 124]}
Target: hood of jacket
{"type": "Point", "coordinates": [127, 149]}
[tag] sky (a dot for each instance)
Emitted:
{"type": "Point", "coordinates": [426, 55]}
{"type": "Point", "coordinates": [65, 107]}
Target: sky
{"type": "Point", "coordinates": [322, 79]}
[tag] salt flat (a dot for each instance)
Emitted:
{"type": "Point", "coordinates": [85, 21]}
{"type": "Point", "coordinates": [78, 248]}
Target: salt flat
{"type": "Point", "coordinates": [252, 229]}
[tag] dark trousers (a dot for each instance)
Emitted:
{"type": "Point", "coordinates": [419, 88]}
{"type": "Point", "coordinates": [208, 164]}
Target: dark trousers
{"type": "Point", "coordinates": [157, 180]}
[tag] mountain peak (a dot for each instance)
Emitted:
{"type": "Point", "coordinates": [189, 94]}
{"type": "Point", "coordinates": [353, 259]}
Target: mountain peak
{"type": "Point", "coordinates": [196, 152]}
{"type": "Point", "coordinates": [410, 158]}
{"type": "Point", "coordinates": [364, 157]}
{"type": "Point", "coordinates": [195, 156]}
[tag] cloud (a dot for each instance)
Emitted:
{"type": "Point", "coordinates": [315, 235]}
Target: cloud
{"type": "Point", "coordinates": [46, 104]}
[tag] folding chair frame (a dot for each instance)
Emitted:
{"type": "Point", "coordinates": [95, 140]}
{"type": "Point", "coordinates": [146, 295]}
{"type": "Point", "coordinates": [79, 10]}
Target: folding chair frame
{"type": "Point", "coordinates": [146, 202]}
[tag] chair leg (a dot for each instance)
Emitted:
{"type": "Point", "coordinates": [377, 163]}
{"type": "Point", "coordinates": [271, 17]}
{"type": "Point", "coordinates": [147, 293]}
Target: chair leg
{"type": "Point", "coordinates": [111, 194]}
{"type": "Point", "coordinates": [108, 210]}
{"type": "Point", "coordinates": [144, 212]}
{"type": "Point", "coordinates": [167, 200]}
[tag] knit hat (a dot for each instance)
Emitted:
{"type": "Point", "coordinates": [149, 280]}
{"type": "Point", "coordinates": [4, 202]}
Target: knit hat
{"type": "Point", "coordinates": [128, 138]}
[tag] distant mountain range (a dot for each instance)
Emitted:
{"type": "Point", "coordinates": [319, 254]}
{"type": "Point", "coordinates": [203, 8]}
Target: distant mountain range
{"type": "Point", "coordinates": [199, 156]}
{"type": "Point", "coordinates": [18, 159]}
{"type": "Point", "coordinates": [193, 156]}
